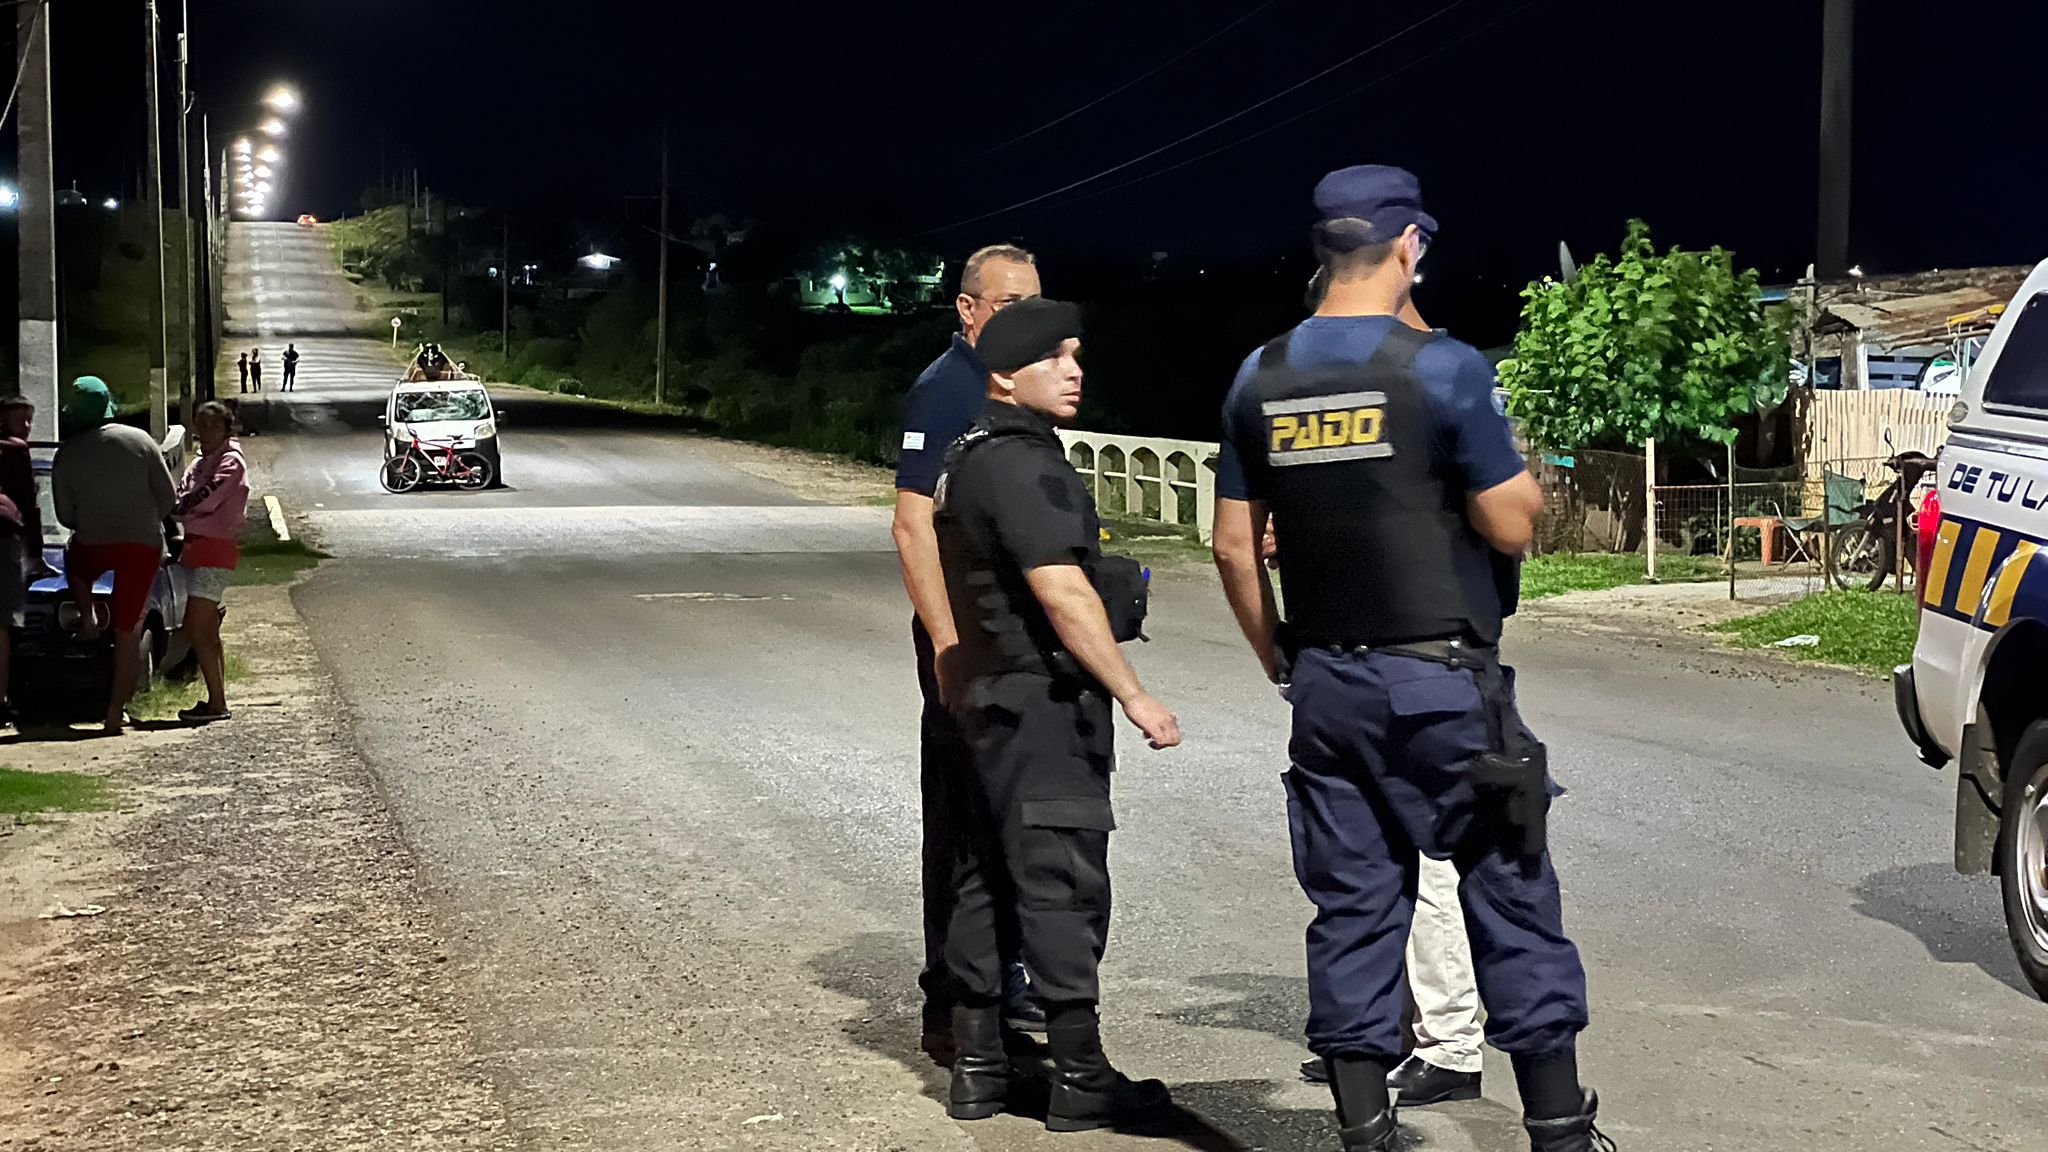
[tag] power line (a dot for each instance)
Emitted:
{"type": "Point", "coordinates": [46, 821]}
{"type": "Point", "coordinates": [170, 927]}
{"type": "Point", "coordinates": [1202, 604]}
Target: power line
{"type": "Point", "coordinates": [1339, 98]}
{"type": "Point", "coordinates": [1239, 114]}
{"type": "Point", "coordinates": [21, 65]}
{"type": "Point", "coordinates": [1125, 87]}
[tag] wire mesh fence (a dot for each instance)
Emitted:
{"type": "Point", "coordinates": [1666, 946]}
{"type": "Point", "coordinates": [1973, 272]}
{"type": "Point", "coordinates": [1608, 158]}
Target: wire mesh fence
{"type": "Point", "coordinates": [1789, 525]}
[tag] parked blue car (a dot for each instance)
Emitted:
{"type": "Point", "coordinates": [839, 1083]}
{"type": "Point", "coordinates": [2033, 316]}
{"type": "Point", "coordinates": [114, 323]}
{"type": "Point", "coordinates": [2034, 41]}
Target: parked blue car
{"type": "Point", "coordinates": [58, 678]}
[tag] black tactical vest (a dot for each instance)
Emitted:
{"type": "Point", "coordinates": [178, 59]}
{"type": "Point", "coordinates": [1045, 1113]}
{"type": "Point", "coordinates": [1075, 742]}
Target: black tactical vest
{"type": "Point", "coordinates": [1002, 626]}
{"type": "Point", "coordinates": [1370, 529]}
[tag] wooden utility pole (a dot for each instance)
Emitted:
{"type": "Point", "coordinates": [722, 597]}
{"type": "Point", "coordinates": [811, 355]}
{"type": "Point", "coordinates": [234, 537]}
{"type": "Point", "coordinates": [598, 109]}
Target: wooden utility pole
{"type": "Point", "coordinates": [189, 312]}
{"type": "Point", "coordinates": [1837, 98]}
{"type": "Point", "coordinates": [505, 299]}
{"type": "Point", "coordinates": [661, 292]}
{"type": "Point", "coordinates": [153, 200]}
{"type": "Point", "coordinates": [36, 317]}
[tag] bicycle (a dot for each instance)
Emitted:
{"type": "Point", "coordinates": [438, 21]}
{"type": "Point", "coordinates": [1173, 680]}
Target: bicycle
{"type": "Point", "coordinates": [436, 461]}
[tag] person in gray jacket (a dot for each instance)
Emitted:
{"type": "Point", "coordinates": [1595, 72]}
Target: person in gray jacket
{"type": "Point", "coordinates": [113, 490]}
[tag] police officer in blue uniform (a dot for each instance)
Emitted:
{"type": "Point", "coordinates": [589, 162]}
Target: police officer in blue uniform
{"type": "Point", "coordinates": [1040, 612]}
{"type": "Point", "coordinates": [938, 409]}
{"type": "Point", "coordinates": [1400, 506]}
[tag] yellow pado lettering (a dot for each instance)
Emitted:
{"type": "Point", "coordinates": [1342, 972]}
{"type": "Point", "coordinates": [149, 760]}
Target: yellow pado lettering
{"type": "Point", "coordinates": [1326, 429]}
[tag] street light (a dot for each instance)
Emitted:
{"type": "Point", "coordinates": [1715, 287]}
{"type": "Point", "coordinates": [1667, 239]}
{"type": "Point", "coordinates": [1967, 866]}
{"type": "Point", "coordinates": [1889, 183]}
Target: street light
{"type": "Point", "coordinates": [110, 204]}
{"type": "Point", "coordinates": [274, 128]}
{"type": "Point", "coordinates": [282, 99]}
{"type": "Point", "coordinates": [10, 197]}
{"type": "Point", "coordinates": [270, 154]}
{"type": "Point", "coordinates": [243, 146]}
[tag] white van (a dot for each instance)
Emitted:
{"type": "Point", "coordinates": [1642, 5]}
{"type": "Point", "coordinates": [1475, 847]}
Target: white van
{"type": "Point", "coordinates": [1977, 689]}
{"type": "Point", "coordinates": [457, 412]}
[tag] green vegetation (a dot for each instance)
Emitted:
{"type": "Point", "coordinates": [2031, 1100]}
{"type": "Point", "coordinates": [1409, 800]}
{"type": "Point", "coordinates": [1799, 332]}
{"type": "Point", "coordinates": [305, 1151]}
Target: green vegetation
{"type": "Point", "coordinates": [1149, 542]}
{"type": "Point", "coordinates": [1559, 572]}
{"type": "Point", "coordinates": [276, 561]}
{"type": "Point", "coordinates": [164, 699]}
{"type": "Point", "coordinates": [1870, 631]}
{"type": "Point", "coordinates": [22, 793]}
{"type": "Point", "coordinates": [1678, 346]}
{"type": "Point", "coordinates": [110, 297]}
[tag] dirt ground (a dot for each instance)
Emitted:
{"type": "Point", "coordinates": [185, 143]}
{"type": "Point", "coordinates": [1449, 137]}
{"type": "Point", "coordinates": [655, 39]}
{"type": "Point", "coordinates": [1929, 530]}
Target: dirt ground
{"type": "Point", "coordinates": [264, 975]}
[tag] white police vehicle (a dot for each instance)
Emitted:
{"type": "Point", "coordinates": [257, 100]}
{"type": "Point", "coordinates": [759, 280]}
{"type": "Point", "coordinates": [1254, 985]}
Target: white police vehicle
{"type": "Point", "coordinates": [1977, 689]}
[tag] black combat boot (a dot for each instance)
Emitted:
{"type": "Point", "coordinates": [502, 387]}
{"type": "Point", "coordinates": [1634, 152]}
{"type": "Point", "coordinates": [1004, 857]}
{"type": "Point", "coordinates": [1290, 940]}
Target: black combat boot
{"type": "Point", "coordinates": [1365, 1113]}
{"type": "Point", "coordinates": [1087, 1092]}
{"type": "Point", "coordinates": [1569, 1133]}
{"type": "Point", "coordinates": [1421, 1083]}
{"type": "Point", "coordinates": [981, 1068]}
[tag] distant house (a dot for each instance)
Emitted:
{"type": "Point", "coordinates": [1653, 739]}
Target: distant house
{"type": "Point", "coordinates": [1920, 331]}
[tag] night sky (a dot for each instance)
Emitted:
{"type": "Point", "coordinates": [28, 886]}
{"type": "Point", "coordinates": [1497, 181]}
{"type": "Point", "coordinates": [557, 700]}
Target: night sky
{"type": "Point", "coordinates": [1529, 122]}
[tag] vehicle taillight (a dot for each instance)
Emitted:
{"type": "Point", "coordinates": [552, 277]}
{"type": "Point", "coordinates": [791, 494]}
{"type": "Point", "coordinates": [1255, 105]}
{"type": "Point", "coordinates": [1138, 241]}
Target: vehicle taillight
{"type": "Point", "coordinates": [1930, 527]}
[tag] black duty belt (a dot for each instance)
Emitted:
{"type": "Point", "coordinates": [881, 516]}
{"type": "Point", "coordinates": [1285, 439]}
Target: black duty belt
{"type": "Point", "coordinates": [1515, 771]}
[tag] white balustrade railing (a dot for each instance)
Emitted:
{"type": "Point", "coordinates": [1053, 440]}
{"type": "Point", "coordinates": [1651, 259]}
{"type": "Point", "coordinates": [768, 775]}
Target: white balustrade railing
{"type": "Point", "coordinates": [1148, 478]}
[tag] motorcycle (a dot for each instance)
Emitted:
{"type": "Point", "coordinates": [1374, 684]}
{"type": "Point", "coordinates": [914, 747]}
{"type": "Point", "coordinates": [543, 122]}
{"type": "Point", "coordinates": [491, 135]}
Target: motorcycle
{"type": "Point", "coordinates": [1866, 553]}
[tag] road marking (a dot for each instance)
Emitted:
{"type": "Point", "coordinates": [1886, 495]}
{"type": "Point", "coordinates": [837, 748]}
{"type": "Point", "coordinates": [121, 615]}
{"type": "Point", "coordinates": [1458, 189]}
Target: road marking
{"type": "Point", "coordinates": [277, 523]}
{"type": "Point", "coordinates": [722, 597]}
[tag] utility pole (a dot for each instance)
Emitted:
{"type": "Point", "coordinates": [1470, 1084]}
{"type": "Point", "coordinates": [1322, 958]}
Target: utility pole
{"type": "Point", "coordinates": [447, 251]}
{"type": "Point", "coordinates": [505, 298]}
{"type": "Point", "coordinates": [36, 318]}
{"type": "Point", "coordinates": [661, 292]}
{"type": "Point", "coordinates": [153, 200]}
{"type": "Point", "coordinates": [1837, 97]}
{"type": "Point", "coordinates": [189, 313]}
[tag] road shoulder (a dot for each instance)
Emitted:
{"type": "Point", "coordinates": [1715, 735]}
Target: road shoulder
{"type": "Point", "coordinates": [266, 973]}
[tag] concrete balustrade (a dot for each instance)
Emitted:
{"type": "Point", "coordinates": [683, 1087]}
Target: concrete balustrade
{"type": "Point", "coordinates": [1148, 478]}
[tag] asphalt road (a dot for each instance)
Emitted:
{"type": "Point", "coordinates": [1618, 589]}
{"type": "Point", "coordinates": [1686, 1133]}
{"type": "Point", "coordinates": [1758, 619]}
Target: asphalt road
{"type": "Point", "coordinates": [649, 724]}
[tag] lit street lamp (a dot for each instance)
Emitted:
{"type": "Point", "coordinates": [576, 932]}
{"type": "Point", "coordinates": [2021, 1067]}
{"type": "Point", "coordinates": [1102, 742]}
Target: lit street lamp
{"type": "Point", "coordinates": [274, 128]}
{"type": "Point", "coordinates": [243, 146]}
{"type": "Point", "coordinates": [838, 283]}
{"type": "Point", "coordinates": [282, 99]}
{"type": "Point", "coordinates": [10, 197]}
{"type": "Point", "coordinates": [270, 154]}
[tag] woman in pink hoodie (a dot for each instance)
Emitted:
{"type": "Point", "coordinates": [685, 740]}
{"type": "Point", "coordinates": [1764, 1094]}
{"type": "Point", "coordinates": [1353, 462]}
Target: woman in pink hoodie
{"type": "Point", "coordinates": [212, 500]}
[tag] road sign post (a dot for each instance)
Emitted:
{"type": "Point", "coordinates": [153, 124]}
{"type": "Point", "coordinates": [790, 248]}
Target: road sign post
{"type": "Point", "coordinates": [396, 324]}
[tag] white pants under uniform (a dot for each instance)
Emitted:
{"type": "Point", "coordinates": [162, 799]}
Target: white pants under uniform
{"type": "Point", "coordinates": [1447, 1031]}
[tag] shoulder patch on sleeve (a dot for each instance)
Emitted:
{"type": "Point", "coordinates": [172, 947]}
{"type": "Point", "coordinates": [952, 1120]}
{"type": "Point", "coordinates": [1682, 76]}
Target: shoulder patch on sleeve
{"type": "Point", "coordinates": [913, 441]}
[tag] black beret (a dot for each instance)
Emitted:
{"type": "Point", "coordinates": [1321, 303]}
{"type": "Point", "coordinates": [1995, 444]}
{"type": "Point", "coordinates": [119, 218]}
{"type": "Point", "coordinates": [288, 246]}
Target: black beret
{"type": "Point", "coordinates": [1026, 332]}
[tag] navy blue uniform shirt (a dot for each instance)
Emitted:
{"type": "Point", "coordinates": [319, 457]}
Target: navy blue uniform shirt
{"type": "Point", "coordinates": [939, 409]}
{"type": "Point", "coordinates": [1473, 444]}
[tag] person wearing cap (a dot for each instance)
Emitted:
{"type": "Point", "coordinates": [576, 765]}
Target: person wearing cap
{"type": "Point", "coordinates": [1376, 443]}
{"type": "Point", "coordinates": [1039, 667]}
{"type": "Point", "coordinates": [939, 408]}
{"type": "Point", "coordinates": [1445, 1063]}
{"type": "Point", "coordinates": [113, 490]}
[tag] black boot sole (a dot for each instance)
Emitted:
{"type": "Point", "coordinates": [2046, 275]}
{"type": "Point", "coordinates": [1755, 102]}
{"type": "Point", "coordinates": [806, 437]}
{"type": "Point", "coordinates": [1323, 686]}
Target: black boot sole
{"type": "Point", "coordinates": [976, 1111]}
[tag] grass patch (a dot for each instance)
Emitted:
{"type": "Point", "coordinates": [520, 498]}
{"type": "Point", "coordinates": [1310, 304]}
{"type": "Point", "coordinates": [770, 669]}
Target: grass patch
{"type": "Point", "coordinates": [1150, 542]}
{"type": "Point", "coordinates": [1560, 572]}
{"type": "Point", "coordinates": [1870, 631]}
{"type": "Point", "coordinates": [170, 695]}
{"type": "Point", "coordinates": [274, 561]}
{"type": "Point", "coordinates": [22, 793]}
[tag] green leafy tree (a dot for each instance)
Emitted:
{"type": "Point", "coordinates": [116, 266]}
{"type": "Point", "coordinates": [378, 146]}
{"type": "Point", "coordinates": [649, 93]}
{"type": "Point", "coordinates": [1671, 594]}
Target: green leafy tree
{"type": "Point", "coordinates": [1677, 346]}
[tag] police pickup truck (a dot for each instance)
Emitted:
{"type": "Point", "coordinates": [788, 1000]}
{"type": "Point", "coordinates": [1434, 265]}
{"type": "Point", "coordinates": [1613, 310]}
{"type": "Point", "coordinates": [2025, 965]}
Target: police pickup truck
{"type": "Point", "coordinates": [1977, 689]}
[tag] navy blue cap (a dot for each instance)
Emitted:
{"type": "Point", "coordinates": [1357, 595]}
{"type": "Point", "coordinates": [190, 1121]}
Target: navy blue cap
{"type": "Point", "coordinates": [1386, 199]}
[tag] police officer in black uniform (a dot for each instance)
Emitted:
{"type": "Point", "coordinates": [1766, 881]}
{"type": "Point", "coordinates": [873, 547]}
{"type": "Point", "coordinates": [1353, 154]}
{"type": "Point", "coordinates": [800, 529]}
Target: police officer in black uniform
{"type": "Point", "coordinates": [1400, 506]}
{"type": "Point", "coordinates": [939, 408]}
{"type": "Point", "coordinates": [1039, 611]}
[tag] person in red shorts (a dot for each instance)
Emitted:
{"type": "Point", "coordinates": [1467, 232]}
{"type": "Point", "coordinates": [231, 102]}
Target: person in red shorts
{"type": "Point", "coordinates": [113, 490]}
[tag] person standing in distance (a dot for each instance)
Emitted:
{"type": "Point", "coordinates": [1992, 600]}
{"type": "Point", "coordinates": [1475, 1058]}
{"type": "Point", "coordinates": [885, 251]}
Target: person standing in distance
{"type": "Point", "coordinates": [940, 407]}
{"type": "Point", "coordinates": [243, 364]}
{"type": "Point", "coordinates": [1020, 544]}
{"type": "Point", "coordinates": [291, 365]}
{"type": "Point", "coordinates": [1378, 442]}
{"type": "Point", "coordinates": [256, 369]}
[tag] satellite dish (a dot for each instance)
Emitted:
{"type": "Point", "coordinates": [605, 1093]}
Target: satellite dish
{"type": "Point", "coordinates": [1567, 271]}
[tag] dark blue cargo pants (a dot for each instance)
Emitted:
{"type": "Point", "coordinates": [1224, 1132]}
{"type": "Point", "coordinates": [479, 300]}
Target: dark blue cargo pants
{"type": "Point", "coordinates": [1383, 751]}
